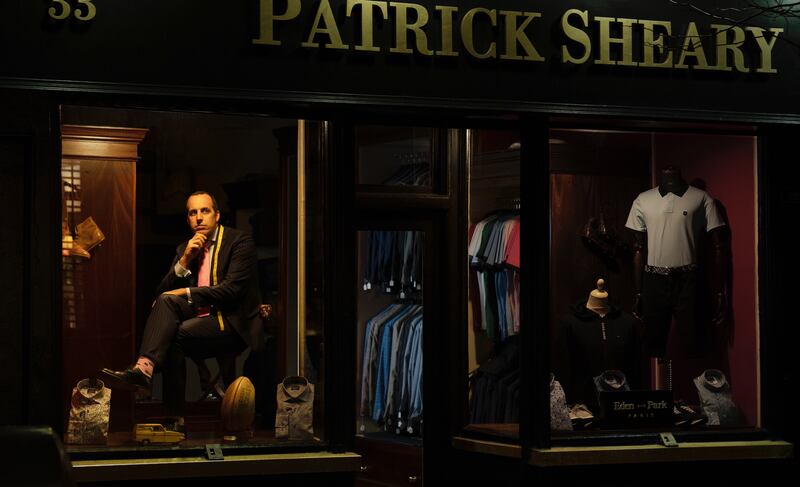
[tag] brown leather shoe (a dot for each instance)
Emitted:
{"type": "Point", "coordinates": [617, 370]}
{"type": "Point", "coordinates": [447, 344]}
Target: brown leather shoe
{"type": "Point", "coordinates": [130, 379]}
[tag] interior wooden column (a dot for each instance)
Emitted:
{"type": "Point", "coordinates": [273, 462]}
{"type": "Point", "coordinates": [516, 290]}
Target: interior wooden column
{"type": "Point", "coordinates": [99, 308]}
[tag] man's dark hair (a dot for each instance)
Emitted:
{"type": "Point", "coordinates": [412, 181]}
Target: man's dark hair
{"type": "Point", "coordinates": [214, 204]}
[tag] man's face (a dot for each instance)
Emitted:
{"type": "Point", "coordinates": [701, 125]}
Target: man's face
{"type": "Point", "coordinates": [201, 215]}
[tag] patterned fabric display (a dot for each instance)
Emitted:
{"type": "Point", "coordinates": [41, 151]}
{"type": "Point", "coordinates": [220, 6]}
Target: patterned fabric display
{"type": "Point", "coordinates": [559, 412]}
{"type": "Point", "coordinates": [88, 416]}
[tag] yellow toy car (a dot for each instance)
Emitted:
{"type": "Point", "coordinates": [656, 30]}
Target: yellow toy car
{"type": "Point", "coordinates": [146, 433]}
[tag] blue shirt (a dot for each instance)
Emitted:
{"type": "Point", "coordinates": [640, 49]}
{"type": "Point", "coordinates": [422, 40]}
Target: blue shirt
{"type": "Point", "coordinates": [384, 357]}
{"type": "Point", "coordinates": [368, 364]}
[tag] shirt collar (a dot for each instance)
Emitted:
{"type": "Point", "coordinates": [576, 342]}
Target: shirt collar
{"type": "Point", "coordinates": [213, 240]}
{"type": "Point", "coordinates": [91, 390]}
{"type": "Point", "coordinates": [714, 380]}
{"type": "Point", "coordinates": [295, 387]}
{"type": "Point", "coordinates": [612, 380]}
{"type": "Point", "coordinates": [663, 192]}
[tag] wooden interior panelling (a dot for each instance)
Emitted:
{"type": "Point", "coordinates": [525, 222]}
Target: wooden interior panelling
{"type": "Point", "coordinates": [103, 331]}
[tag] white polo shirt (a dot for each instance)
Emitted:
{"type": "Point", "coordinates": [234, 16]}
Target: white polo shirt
{"type": "Point", "coordinates": [672, 224]}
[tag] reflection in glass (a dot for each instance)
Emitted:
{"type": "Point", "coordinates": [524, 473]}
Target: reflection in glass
{"type": "Point", "coordinates": [394, 156]}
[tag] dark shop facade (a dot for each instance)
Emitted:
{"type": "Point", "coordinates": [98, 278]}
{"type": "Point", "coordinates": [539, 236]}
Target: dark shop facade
{"type": "Point", "coordinates": [280, 240]}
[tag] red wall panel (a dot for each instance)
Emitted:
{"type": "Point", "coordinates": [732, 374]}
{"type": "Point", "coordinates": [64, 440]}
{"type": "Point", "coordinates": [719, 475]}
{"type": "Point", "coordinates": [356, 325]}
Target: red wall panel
{"type": "Point", "coordinates": [725, 165]}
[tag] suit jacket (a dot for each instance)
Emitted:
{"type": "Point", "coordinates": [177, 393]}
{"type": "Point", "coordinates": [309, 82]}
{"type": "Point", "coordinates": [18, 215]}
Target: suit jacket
{"type": "Point", "coordinates": [233, 295]}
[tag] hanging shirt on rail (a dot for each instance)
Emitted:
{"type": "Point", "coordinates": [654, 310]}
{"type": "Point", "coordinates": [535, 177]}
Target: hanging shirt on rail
{"type": "Point", "coordinates": [494, 287]}
{"type": "Point", "coordinates": [391, 392]}
{"type": "Point", "coordinates": [393, 262]}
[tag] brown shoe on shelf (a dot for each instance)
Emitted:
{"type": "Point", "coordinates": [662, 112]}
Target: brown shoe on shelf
{"type": "Point", "coordinates": [88, 236]}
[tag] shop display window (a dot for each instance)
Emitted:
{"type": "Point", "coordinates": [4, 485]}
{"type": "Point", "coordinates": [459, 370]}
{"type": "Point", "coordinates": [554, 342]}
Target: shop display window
{"type": "Point", "coordinates": [390, 331]}
{"type": "Point", "coordinates": [126, 176]}
{"type": "Point", "coordinates": [390, 412]}
{"type": "Point", "coordinates": [653, 282]}
{"type": "Point", "coordinates": [494, 270]}
{"type": "Point", "coordinates": [398, 158]}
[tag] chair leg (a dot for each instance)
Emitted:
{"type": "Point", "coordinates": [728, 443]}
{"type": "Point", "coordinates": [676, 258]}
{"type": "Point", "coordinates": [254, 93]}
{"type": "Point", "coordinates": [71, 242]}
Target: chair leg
{"type": "Point", "coordinates": [207, 381]}
{"type": "Point", "coordinates": [227, 368]}
{"type": "Point", "coordinates": [202, 371]}
{"type": "Point", "coordinates": [211, 384]}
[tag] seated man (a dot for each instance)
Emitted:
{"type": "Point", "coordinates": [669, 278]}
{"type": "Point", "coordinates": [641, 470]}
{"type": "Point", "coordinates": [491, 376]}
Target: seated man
{"type": "Point", "coordinates": [208, 305]}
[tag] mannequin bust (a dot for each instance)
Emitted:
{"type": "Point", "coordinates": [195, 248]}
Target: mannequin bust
{"type": "Point", "coordinates": [670, 180]}
{"type": "Point", "coordinates": [658, 207]}
{"type": "Point", "coordinates": [598, 299]}
{"type": "Point", "coordinates": [594, 336]}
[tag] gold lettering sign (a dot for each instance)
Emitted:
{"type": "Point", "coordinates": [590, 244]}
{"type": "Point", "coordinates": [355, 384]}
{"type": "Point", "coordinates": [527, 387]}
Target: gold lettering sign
{"type": "Point", "coordinates": [447, 30]}
{"type": "Point", "coordinates": [626, 41]}
{"type": "Point", "coordinates": [576, 34]}
{"type": "Point", "coordinates": [692, 47]}
{"type": "Point", "coordinates": [442, 30]}
{"type": "Point", "coordinates": [733, 46]}
{"type": "Point", "coordinates": [367, 42]}
{"type": "Point", "coordinates": [467, 29]}
{"type": "Point", "coordinates": [766, 47]}
{"type": "Point", "coordinates": [652, 43]}
{"type": "Point", "coordinates": [268, 18]}
{"type": "Point", "coordinates": [325, 16]}
{"type": "Point", "coordinates": [515, 35]}
{"type": "Point", "coordinates": [402, 28]}
{"type": "Point", "coordinates": [84, 11]}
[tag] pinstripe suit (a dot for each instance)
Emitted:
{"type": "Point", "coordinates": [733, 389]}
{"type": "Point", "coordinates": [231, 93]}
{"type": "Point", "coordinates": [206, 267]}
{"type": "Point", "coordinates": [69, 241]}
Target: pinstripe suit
{"type": "Point", "coordinates": [173, 330]}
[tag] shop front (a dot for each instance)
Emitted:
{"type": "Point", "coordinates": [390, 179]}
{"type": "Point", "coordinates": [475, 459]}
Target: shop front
{"type": "Point", "coordinates": [372, 161]}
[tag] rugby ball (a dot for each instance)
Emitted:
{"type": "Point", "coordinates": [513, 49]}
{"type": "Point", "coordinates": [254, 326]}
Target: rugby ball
{"type": "Point", "coordinates": [239, 405]}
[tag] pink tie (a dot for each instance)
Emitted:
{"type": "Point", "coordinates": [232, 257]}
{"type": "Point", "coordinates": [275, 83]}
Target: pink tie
{"type": "Point", "coordinates": [203, 278]}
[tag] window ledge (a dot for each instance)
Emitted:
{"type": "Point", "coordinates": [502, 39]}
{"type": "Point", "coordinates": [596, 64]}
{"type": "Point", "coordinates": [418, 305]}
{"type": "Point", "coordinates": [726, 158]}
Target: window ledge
{"type": "Point", "coordinates": [508, 450]}
{"type": "Point", "coordinates": [685, 452]}
{"type": "Point", "coordinates": [232, 465]}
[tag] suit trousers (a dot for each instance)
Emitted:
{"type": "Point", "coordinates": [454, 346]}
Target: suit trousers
{"type": "Point", "coordinates": [668, 296]}
{"type": "Point", "coordinates": [172, 333]}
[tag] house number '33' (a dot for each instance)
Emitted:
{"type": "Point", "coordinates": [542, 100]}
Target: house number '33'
{"type": "Point", "coordinates": [61, 9]}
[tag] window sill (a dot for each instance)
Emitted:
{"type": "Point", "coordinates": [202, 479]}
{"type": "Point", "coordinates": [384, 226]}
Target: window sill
{"type": "Point", "coordinates": [487, 447]}
{"type": "Point", "coordinates": [232, 465]}
{"type": "Point", "coordinates": [685, 452]}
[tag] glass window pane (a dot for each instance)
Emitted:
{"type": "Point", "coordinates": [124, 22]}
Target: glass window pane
{"type": "Point", "coordinates": [494, 282]}
{"type": "Point", "coordinates": [127, 217]}
{"type": "Point", "coordinates": [394, 156]}
{"type": "Point", "coordinates": [653, 271]}
{"type": "Point", "coordinates": [314, 263]}
{"type": "Point", "coordinates": [389, 405]}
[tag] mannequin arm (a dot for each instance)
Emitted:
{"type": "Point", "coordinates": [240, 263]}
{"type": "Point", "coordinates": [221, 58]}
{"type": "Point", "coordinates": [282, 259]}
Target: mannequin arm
{"type": "Point", "coordinates": [719, 275]}
{"type": "Point", "coordinates": [639, 259]}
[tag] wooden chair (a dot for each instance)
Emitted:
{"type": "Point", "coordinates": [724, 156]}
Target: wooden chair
{"type": "Point", "coordinates": [211, 385]}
